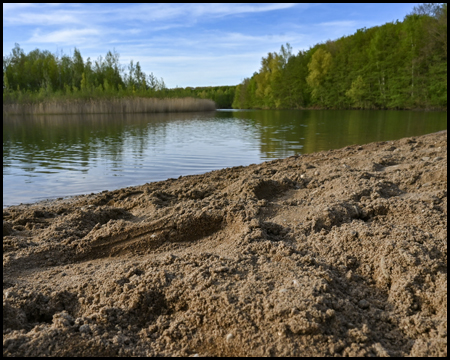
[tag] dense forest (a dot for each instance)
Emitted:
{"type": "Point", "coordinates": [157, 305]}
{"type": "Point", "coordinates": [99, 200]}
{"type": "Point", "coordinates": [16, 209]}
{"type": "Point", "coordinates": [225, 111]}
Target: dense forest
{"type": "Point", "coordinates": [42, 76]}
{"type": "Point", "coordinates": [400, 65]}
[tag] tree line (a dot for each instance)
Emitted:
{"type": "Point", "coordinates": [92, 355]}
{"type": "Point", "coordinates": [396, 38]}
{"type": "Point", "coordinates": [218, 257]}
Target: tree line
{"type": "Point", "coordinates": [399, 65]}
{"type": "Point", "coordinates": [223, 96]}
{"type": "Point", "coordinates": [41, 75]}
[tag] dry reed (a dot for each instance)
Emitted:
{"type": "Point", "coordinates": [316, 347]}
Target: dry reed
{"type": "Point", "coordinates": [110, 106]}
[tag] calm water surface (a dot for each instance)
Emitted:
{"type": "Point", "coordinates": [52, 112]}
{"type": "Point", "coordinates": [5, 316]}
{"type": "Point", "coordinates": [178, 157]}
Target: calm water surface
{"type": "Point", "coordinates": [62, 155]}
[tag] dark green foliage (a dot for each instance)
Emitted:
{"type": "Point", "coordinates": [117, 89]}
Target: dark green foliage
{"type": "Point", "coordinates": [42, 76]}
{"type": "Point", "coordinates": [222, 95]}
{"type": "Point", "coordinates": [401, 65]}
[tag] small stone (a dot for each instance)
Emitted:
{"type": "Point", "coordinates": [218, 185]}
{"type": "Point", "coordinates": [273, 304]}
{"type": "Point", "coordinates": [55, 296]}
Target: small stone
{"type": "Point", "coordinates": [425, 158]}
{"type": "Point", "coordinates": [283, 290]}
{"type": "Point", "coordinates": [7, 228]}
{"type": "Point", "coordinates": [349, 275]}
{"type": "Point", "coordinates": [85, 328]}
{"type": "Point", "coordinates": [229, 337]}
{"type": "Point", "coordinates": [363, 304]}
{"type": "Point", "coordinates": [254, 224]}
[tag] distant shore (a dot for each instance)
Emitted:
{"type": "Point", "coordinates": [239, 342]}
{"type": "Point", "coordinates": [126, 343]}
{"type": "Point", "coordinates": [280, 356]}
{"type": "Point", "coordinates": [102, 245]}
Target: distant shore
{"type": "Point", "coordinates": [109, 106]}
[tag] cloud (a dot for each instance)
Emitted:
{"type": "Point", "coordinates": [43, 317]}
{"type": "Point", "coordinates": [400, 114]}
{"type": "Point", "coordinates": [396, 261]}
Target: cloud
{"type": "Point", "coordinates": [67, 36]}
{"type": "Point", "coordinates": [191, 58]}
{"type": "Point", "coordinates": [193, 12]}
{"type": "Point", "coordinates": [203, 43]}
{"type": "Point", "coordinates": [161, 16]}
{"type": "Point", "coordinates": [42, 15]}
{"type": "Point", "coordinates": [11, 6]}
{"type": "Point", "coordinates": [201, 70]}
{"type": "Point", "coordinates": [338, 23]}
{"type": "Point", "coordinates": [233, 9]}
{"type": "Point", "coordinates": [232, 40]}
{"type": "Point", "coordinates": [55, 18]}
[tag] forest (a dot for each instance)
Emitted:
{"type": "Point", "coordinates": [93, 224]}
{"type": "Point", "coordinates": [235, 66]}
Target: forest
{"type": "Point", "coordinates": [42, 76]}
{"type": "Point", "coordinates": [399, 65]}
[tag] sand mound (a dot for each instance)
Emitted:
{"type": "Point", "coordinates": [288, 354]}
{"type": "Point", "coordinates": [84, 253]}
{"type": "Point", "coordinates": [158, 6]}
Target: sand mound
{"type": "Point", "coordinates": [341, 253]}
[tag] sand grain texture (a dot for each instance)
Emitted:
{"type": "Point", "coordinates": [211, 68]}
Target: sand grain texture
{"type": "Point", "coordinates": [342, 252]}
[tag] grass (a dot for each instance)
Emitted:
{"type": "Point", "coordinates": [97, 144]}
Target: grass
{"type": "Point", "coordinates": [110, 106]}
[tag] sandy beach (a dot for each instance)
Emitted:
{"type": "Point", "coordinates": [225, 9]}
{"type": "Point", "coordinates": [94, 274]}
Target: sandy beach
{"type": "Point", "coordinates": [336, 253]}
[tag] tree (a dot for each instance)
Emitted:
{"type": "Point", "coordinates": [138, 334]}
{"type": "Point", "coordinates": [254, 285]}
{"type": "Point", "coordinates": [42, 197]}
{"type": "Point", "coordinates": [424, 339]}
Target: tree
{"type": "Point", "coordinates": [358, 92]}
{"type": "Point", "coordinates": [5, 82]}
{"type": "Point", "coordinates": [286, 54]}
{"type": "Point", "coordinates": [152, 82]}
{"type": "Point", "coordinates": [318, 68]}
{"type": "Point", "coordinates": [139, 77]}
{"type": "Point", "coordinates": [77, 67]}
{"type": "Point", "coordinates": [430, 9]}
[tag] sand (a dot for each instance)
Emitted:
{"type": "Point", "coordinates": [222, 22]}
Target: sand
{"type": "Point", "coordinates": [336, 253]}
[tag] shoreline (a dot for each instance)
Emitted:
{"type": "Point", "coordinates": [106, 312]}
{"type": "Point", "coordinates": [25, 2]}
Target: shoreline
{"type": "Point", "coordinates": [340, 252]}
{"type": "Point", "coordinates": [113, 105]}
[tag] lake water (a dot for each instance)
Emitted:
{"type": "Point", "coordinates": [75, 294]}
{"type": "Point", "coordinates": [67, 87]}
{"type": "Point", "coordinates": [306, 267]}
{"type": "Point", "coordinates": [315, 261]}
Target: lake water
{"type": "Point", "coordinates": [63, 155]}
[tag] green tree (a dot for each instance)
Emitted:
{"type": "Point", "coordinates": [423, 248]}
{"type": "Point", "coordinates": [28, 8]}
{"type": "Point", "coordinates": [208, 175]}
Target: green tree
{"type": "Point", "coordinates": [77, 68]}
{"type": "Point", "coordinates": [318, 68]}
{"type": "Point", "coordinates": [358, 92]}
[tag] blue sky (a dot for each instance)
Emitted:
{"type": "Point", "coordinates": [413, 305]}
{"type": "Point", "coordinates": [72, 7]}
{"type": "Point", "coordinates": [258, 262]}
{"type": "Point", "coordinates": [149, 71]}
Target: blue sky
{"type": "Point", "coordinates": [188, 44]}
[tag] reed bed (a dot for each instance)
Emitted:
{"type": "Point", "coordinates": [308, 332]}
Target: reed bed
{"type": "Point", "coordinates": [111, 106]}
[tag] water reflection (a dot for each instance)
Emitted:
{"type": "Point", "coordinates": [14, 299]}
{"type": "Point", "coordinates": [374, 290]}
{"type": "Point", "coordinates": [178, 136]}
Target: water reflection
{"type": "Point", "coordinates": [52, 156]}
{"type": "Point", "coordinates": [285, 132]}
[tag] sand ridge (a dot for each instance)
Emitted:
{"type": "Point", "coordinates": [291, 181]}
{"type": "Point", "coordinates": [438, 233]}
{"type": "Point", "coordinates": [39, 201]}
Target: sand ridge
{"type": "Point", "coordinates": [336, 253]}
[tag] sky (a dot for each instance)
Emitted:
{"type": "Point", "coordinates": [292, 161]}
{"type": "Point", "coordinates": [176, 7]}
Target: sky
{"type": "Point", "coordinates": [188, 44]}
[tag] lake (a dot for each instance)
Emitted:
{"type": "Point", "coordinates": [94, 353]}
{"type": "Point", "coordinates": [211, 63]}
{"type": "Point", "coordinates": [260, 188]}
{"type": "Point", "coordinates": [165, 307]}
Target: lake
{"type": "Point", "coordinates": [52, 156]}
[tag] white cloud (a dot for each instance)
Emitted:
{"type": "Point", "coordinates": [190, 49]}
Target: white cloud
{"type": "Point", "coordinates": [162, 16]}
{"type": "Point", "coordinates": [232, 9]}
{"type": "Point", "coordinates": [212, 41]}
{"type": "Point", "coordinates": [192, 12]}
{"type": "Point", "coordinates": [192, 58]}
{"type": "Point", "coordinates": [11, 6]}
{"type": "Point", "coordinates": [67, 36]}
{"type": "Point", "coordinates": [338, 23]}
{"type": "Point", "coordinates": [55, 18]}
{"type": "Point", "coordinates": [203, 70]}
